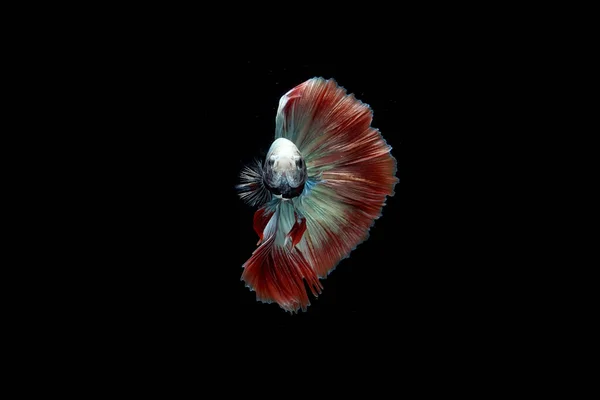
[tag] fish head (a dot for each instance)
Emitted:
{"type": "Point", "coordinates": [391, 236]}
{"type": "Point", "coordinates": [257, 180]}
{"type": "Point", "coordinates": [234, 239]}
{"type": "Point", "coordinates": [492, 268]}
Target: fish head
{"type": "Point", "coordinates": [285, 169]}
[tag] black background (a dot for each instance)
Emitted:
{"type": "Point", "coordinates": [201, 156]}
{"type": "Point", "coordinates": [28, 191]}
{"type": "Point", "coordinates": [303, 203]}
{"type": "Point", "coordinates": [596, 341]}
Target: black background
{"type": "Point", "coordinates": [165, 117]}
{"type": "Point", "coordinates": [178, 129]}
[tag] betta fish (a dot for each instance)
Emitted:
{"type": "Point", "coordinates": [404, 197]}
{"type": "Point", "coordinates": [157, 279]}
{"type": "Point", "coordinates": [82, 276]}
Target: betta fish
{"type": "Point", "coordinates": [320, 189]}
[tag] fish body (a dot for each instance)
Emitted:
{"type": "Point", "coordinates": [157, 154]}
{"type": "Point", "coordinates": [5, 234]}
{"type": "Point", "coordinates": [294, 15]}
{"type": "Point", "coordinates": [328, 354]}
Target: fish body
{"type": "Point", "coordinates": [322, 185]}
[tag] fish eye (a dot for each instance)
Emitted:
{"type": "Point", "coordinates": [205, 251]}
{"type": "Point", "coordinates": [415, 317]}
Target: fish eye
{"type": "Point", "coordinates": [299, 163]}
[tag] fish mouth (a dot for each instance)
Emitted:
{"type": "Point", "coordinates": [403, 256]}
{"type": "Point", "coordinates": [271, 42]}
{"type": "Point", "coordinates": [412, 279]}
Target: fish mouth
{"type": "Point", "coordinates": [288, 192]}
{"type": "Point", "coordinates": [287, 187]}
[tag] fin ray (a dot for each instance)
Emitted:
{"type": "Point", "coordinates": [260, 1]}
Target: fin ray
{"type": "Point", "coordinates": [348, 159]}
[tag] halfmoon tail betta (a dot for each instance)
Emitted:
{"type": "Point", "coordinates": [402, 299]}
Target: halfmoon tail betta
{"type": "Point", "coordinates": [323, 183]}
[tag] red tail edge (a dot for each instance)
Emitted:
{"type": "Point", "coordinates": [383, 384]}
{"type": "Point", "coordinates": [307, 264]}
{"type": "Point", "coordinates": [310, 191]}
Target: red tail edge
{"type": "Point", "coordinates": [277, 273]}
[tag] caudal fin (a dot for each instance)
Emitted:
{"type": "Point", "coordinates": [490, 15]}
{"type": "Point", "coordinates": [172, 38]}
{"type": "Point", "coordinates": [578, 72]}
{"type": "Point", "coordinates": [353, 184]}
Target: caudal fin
{"type": "Point", "coordinates": [350, 168]}
{"type": "Point", "coordinates": [277, 271]}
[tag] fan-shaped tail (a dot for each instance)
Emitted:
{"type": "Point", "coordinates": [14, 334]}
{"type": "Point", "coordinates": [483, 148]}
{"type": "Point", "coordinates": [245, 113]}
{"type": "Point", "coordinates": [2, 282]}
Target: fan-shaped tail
{"type": "Point", "coordinates": [277, 270]}
{"type": "Point", "coordinates": [349, 164]}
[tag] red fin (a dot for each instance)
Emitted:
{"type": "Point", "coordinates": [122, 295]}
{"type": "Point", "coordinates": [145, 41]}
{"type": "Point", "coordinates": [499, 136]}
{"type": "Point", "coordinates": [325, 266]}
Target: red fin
{"type": "Point", "coordinates": [297, 230]}
{"type": "Point", "coordinates": [325, 255]}
{"type": "Point", "coordinates": [352, 161]}
{"type": "Point", "coordinates": [277, 274]}
{"type": "Point", "coordinates": [261, 219]}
